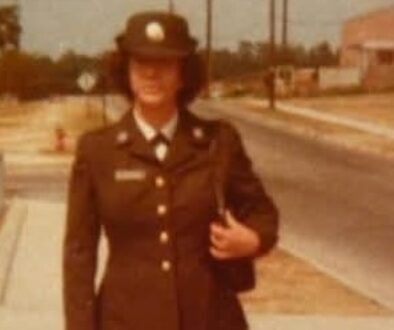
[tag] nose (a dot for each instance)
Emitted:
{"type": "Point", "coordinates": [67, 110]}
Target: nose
{"type": "Point", "coordinates": [151, 69]}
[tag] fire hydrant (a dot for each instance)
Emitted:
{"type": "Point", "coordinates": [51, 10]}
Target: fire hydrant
{"type": "Point", "coordinates": [60, 139]}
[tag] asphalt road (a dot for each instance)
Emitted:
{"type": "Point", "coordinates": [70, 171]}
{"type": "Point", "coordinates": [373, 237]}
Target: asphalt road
{"type": "Point", "coordinates": [336, 205]}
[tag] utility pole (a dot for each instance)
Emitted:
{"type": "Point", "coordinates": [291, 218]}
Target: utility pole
{"type": "Point", "coordinates": [209, 48]}
{"type": "Point", "coordinates": [171, 7]}
{"type": "Point", "coordinates": [18, 15]}
{"type": "Point", "coordinates": [285, 23]}
{"type": "Point", "coordinates": [272, 30]}
{"type": "Point", "coordinates": [272, 71]}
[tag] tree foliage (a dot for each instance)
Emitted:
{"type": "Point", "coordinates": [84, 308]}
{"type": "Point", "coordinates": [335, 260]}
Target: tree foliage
{"type": "Point", "coordinates": [250, 57]}
{"type": "Point", "coordinates": [10, 29]}
{"type": "Point", "coordinates": [36, 76]}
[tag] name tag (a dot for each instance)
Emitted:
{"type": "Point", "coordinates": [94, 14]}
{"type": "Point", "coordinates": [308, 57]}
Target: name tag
{"type": "Point", "coordinates": [129, 175]}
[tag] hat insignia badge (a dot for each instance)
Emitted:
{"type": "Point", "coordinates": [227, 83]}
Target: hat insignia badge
{"type": "Point", "coordinates": [155, 32]}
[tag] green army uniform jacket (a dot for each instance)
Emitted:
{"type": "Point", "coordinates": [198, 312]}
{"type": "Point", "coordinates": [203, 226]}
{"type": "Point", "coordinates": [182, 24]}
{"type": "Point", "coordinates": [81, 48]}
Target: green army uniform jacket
{"type": "Point", "coordinates": [156, 217]}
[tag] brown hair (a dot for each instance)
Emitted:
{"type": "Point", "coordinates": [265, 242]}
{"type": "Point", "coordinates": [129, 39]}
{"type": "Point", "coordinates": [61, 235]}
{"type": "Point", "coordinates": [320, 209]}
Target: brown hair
{"type": "Point", "coordinates": [192, 74]}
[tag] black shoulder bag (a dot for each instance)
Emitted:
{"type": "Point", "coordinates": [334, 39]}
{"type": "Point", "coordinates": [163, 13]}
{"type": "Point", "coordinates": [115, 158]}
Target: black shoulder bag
{"type": "Point", "coordinates": [236, 274]}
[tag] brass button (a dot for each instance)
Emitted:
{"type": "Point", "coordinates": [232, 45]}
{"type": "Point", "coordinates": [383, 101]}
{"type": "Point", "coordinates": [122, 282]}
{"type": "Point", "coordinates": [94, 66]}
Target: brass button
{"type": "Point", "coordinates": [160, 182]}
{"type": "Point", "coordinates": [165, 265]}
{"type": "Point", "coordinates": [164, 237]}
{"type": "Point", "coordinates": [161, 209]}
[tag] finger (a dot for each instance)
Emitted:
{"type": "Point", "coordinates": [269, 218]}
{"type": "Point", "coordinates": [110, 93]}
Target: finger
{"type": "Point", "coordinates": [220, 243]}
{"type": "Point", "coordinates": [219, 230]}
{"type": "Point", "coordinates": [218, 254]}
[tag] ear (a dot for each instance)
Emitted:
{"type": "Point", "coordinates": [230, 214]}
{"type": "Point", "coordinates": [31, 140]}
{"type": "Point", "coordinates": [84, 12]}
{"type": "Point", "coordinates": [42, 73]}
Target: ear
{"type": "Point", "coordinates": [181, 75]}
{"type": "Point", "coordinates": [129, 75]}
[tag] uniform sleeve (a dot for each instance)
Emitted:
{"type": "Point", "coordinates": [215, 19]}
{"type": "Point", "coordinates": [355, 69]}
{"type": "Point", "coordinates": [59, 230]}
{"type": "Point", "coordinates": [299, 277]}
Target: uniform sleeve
{"type": "Point", "coordinates": [80, 247]}
{"type": "Point", "coordinates": [247, 197]}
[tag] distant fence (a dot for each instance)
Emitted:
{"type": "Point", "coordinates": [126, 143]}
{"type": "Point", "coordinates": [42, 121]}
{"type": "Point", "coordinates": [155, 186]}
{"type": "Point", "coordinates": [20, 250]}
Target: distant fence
{"type": "Point", "coordinates": [339, 78]}
{"type": "Point", "coordinates": [2, 182]}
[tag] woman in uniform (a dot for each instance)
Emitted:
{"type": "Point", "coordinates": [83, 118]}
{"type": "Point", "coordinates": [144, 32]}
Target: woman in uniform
{"type": "Point", "coordinates": [153, 182]}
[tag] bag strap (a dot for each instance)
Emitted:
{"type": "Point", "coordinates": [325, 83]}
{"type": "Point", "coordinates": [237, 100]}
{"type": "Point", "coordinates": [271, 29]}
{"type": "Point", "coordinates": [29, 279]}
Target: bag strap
{"type": "Point", "coordinates": [216, 159]}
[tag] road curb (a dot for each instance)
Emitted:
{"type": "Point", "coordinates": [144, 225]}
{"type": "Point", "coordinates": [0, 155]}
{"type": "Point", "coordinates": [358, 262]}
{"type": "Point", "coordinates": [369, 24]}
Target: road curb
{"type": "Point", "coordinates": [9, 237]}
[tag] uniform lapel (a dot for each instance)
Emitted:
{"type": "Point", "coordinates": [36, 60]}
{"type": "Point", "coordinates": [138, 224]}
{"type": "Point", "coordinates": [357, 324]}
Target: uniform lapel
{"type": "Point", "coordinates": [191, 136]}
{"type": "Point", "coordinates": [186, 146]}
{"type": "Point", "coordinates": [137, 145]}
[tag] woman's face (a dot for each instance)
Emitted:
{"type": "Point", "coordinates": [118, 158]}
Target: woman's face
{"type": "Point", "coordinates": [155, 82]}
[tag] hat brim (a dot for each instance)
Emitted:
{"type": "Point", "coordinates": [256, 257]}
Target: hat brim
{"type": "Point", "coordinates": [161, 53]}
{"type": "Point", "coordinates": [156, 51]}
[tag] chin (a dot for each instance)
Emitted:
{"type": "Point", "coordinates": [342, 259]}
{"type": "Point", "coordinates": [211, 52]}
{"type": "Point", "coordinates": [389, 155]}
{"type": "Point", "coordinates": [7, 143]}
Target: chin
{"type": "Point", "coordinates": [153, 100]}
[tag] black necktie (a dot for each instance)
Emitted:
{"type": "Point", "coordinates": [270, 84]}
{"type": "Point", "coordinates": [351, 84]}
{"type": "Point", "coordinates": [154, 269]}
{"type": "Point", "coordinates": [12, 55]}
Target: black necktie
{"type": "Point", "coordinates": [159, 138]}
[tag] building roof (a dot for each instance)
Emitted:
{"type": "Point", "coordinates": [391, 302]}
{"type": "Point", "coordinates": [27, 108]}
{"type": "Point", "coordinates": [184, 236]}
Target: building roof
{"type": "Point", "coordinates": [378, 45]}
{"type": "Point", "coordinates": [374, 45]}
{"type": "Point", "coordinates": [371, 14]}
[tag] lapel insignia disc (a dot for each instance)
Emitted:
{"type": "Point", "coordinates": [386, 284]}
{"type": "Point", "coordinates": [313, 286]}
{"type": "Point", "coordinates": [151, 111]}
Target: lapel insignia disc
{"type": "Point", "coordinates": [155, 32]}
{"type": "Point", "coordinates": [198, 133]}
{"type": "Point", "coordinates": [122, 137]}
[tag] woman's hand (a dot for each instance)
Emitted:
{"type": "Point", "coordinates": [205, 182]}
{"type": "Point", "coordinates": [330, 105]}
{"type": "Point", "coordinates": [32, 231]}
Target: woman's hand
{"type": "Point", "coordinates": [232, 239]}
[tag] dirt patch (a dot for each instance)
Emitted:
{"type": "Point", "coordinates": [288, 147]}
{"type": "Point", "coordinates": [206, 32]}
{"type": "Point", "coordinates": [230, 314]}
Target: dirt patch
{"type": "Point", "coordinates": [289, 285]}
{"type": "Point", "coordinates": [373, 108]}
{"type": "Point", "coordinates": [31, 126]}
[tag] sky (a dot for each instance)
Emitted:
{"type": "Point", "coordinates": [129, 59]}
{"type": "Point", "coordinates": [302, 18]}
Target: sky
{"type": "Point", "coordinates": [89, 26]}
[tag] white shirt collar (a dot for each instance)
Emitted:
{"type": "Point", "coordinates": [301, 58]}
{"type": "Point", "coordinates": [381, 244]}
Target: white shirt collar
{"type": "Point", "coordinates": [149, 132]}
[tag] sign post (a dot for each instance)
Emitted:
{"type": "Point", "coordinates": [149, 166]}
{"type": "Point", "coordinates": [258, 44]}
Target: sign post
{"type": "Point", "coordinates": [86, 82]}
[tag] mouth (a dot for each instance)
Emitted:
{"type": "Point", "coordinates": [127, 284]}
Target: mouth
{"type": "Point", "coordinates": [152, 88]}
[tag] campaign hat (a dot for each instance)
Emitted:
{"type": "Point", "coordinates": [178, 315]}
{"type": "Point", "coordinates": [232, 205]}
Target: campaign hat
{"type": "Point", "coordinates": [156, 34]}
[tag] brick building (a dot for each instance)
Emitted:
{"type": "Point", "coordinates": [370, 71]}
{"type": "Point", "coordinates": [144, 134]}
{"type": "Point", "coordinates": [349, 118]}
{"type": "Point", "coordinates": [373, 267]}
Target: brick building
{"type": "Point", "coordinates": [368, 44]}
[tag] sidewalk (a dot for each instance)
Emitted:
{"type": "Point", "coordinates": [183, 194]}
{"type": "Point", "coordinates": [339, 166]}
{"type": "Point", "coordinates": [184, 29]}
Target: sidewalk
{"type": "Point", "coordinates": [32, 299]}
{"type": "Point", "coordinates": [32, 289]}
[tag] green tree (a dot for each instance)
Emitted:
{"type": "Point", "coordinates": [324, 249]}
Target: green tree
{"type": "Point", "coordinates": [23, 74]}
{"type": "Point", "coordinates": [10, 29]}
{"type": "Point", "coordinates": [322, 55]}
{"type": "Point", "coordinates": [31, 76]}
